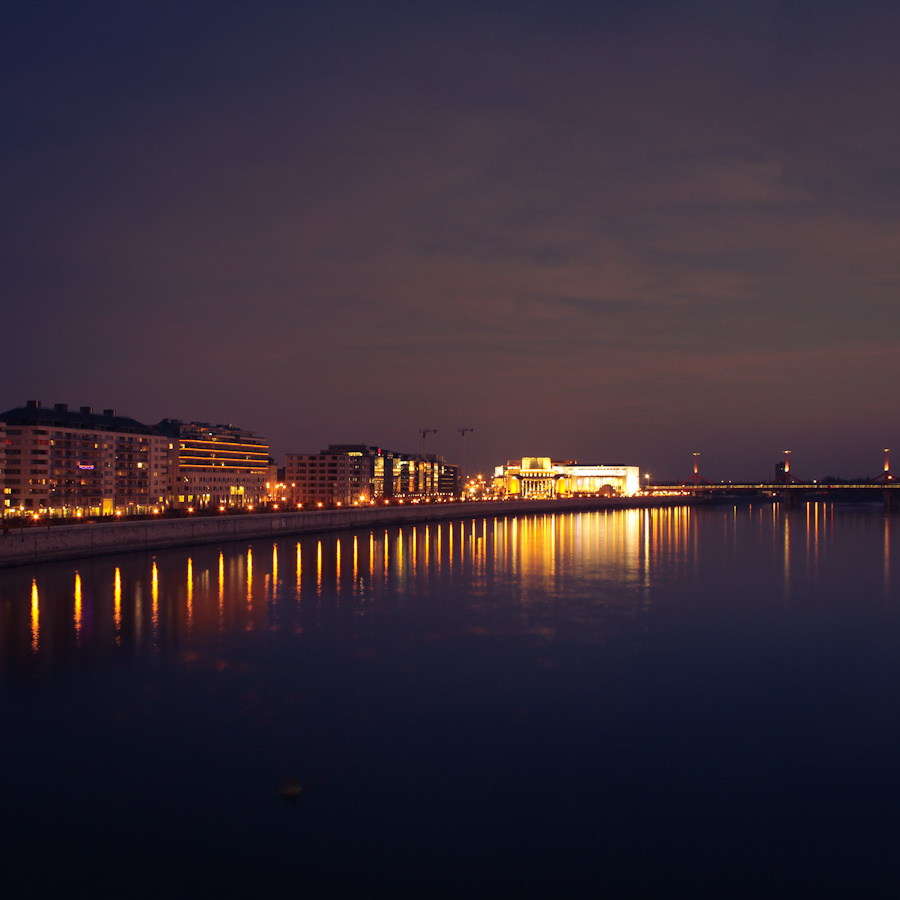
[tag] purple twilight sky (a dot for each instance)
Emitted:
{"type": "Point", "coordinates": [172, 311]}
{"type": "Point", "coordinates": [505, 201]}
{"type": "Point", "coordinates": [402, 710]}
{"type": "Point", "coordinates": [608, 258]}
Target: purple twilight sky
{"type": "Point", "coordinates": [614, 232]}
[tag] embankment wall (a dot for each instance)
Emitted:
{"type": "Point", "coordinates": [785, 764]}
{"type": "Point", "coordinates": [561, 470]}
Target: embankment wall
{"type": "Point", "coordinates": [45, 543]}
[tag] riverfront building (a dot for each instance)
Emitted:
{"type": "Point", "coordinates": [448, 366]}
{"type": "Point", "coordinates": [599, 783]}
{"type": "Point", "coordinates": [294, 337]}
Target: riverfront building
{"type": "Point", "coordinates": [361, 473]}
{"type": "Point", "coordinates": [214, 465]}
{"type": "Point", "coordinates": [62, 462]}
{"type": "Point", "coordinates": [541, 477]}
{"type": "Point", "coordinates": [317, 478]}
{"type": "Point", "coordinates": [391, 473]}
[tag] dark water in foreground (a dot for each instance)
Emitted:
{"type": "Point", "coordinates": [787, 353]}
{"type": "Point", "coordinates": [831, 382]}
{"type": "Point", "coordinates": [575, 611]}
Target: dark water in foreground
{"type": "Point", "coordinates": [625, 703]}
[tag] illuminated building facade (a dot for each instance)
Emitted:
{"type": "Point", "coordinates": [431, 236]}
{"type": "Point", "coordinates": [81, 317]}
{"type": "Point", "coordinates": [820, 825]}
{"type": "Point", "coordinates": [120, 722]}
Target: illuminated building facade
{"type": "Point", "coordinates": [360, 473]}
{"type": "Point", "coordinates": [391, 473]}
{"type": "Point", "coordinates": [541, 477]}
{"type": "Point", "coordinates": [214, 465]}
{"type": "Point", "coordinates": [63, 462]}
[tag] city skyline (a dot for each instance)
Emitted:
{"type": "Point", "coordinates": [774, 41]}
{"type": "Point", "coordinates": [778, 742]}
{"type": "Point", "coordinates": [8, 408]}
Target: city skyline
{"type": "Point", "coordinates": [616, 233]}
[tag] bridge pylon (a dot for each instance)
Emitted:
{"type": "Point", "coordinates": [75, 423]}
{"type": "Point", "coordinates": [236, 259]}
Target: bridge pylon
{"type": "Point", "coordinates": [696, 480]}
{"type": "Point", "coordinates": [885, 477]}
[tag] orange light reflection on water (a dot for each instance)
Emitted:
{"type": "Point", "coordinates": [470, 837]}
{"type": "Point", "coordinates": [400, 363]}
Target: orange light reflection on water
{"type": "Point", "coordinates": [154, 599]}
{"type": "Point", "coordinates": [190, 594]}
{"type": "Point", "coordinates": [117, 604]}
{"type": "Point", "coordinates": [35, 617]}
{"type": "Point", "coordinates": [528, 556]}
{"type": "Point", "coordinates": [77, 615]}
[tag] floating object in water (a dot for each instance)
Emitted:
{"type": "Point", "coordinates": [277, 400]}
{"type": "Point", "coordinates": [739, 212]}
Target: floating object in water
{"type": "Point", "coordinates": [291, 789]}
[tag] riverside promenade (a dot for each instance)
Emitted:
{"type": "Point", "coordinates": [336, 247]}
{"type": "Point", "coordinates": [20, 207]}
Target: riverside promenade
{"type": "Point", "coordinates": [46, 543]}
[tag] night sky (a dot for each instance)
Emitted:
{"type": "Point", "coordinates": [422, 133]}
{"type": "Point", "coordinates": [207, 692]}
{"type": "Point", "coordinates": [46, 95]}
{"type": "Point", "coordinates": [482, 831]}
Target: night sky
{"type": "Point", "coordinates": [614, 232]}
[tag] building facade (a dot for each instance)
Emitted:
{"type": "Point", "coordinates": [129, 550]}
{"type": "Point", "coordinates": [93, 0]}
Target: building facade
{"type": "Point", "coordinates": [540, 477]}
{"type": "Point", "coordinates": [63, 462]}
{"type": "Point", "coordinates": [362, 473]}
{"type": "Point", "coordinates": [319, 479]}
{"type": "Point", "coordinates": [213, 466]}
{"type": "Point", "coordinates": [389, 474]}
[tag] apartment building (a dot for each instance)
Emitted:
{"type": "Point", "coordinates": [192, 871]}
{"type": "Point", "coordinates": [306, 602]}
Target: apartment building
{"type": "Point", "coordinates": [319, 478]}
{"type": "Point", "coordinates": [214, 465]}
{"type": "Point", "coordinates": [66, 462]}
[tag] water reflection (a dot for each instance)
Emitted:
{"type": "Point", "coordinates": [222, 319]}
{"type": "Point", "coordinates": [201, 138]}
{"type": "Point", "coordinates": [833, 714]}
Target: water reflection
{"type": "Point", "coordinates": [588, 577]}
{"type": "Point", "coordinates": [117, 603]}
{"type": "Point", "coordinates": [154, 599]}
{"type": "Point", "coordinates": [35, 617]}
{"type": "Point", "coordinates": [77, 614]}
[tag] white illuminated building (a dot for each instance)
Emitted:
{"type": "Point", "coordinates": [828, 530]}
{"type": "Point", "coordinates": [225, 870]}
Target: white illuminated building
{"type": "Point", "coordinates": [541, 477]}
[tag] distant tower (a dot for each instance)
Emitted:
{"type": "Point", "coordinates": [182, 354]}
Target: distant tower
{"type": "Point", "coordinates": [696, 480]}
{"type": "Point", "coordinates": [885, 476]}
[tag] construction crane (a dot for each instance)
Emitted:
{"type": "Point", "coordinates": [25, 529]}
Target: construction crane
{"type": "Point", "coordinates": [462, 437]}
{"type": "Point", "coordinates": [424, 432]}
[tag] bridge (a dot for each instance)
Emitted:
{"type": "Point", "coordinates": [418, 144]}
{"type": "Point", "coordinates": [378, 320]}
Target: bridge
{"type": "Point", "coordinates": [795, 491]}
{"type": "Point", "coordinates": [792, 490]}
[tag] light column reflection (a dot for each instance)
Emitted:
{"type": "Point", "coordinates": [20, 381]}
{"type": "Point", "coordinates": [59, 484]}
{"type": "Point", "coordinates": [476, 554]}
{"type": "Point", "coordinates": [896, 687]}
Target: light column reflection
{"type": "Point", "coordinates": [154, 599]}
{"type": "Point", "coordinates": [190, 594]}
{"type": "Point", "coordinates": [319, 568]}
{"type": "Point", "coordinates": [35, 617]}
{"type": "Point", "coordinates": [337, 566]}
{"type": "Point", "coordinates": [249, 578]}
{"type": "Point", "coordinates": [887, 558]}
{"type": "Point", "coordinates": [274, 571]}
{"type": "Point", "coordinates": [221, 597]}
{"type": "Point", "coordinates": [77, 615]}
{"type": "Point", "coordinates": [299, 574]}
{"type": "Point", "coordinates": [117, 605]}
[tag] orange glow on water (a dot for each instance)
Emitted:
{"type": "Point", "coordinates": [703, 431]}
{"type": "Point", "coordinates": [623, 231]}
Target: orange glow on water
{"type": "Point", "coordinates": [221, 590]}
{"type": "Point", "coordinates": [190, 593]}
{"type": "Point", "coordinates": [319, 567]}
{"type": "Point", "coordinates": [35, 617]}
{"type": "Point", "coordinates": [154, 596]}
{"type": "Point", "coordinates": [77, 615]}
{"type": "Point", "coordinates": [274, 570]}
{"type": "Point", "coordinates": [337, 563]}
{"type": "Point", "coordinates": [249, 578]}
{"type": "Point", "coordinates": [117, 604]}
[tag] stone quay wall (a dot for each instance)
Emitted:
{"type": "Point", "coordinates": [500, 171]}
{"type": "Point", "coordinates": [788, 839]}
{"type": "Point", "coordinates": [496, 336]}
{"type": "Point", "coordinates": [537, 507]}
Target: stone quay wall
{"type": "Point", "coordinates": [45, 543]}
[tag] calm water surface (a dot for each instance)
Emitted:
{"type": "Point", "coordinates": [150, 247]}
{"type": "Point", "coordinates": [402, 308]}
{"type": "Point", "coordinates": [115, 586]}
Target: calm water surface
{"type": "Point", "coordinates": [627, 702]}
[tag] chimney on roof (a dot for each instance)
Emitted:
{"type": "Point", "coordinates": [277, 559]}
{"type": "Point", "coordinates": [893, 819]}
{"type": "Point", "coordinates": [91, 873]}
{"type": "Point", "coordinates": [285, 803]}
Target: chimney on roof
{"type": "Point", "coordinates": [61, 407]}
{"type": "Point", "coordinates": [33, 404]}
{"type": "Point", "coordinates": [109, 412]}
{"type": "Point", "coordinates": [87, 410]}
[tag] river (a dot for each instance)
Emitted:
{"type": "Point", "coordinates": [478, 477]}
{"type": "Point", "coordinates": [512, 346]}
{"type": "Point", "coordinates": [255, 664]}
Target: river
{"type": "Point", "coordinates": [631, 702]}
